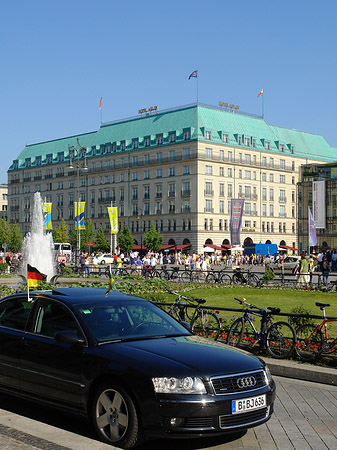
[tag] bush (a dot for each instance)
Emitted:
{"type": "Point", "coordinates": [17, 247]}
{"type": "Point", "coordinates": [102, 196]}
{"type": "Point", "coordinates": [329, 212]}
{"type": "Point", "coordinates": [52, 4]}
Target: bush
{"type": "Point", "coordinates": [296, 322]}
{"type": "Point", "coordinates": [3, 267]}
{"type": "Point", "coordinates": [268, 276]}
{"type": "Point", "coordinates": [67, 271]}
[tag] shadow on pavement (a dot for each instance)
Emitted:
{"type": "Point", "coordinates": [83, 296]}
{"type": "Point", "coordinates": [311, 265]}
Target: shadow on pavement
{"type": "Point", "coordinates": [80, 426]}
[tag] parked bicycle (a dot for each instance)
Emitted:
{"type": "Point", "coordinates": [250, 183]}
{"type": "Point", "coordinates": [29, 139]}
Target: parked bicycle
{"type": "Point", "coordinates": [203, 322]}
{"type": "Point", "coordinates": [279, 338]}
{"type": "Point", "coordinates": [240, 277]}
{"type": "Point", "coordinates": [313, 340]}
{"type": "Point", "coordinates": [218, 276]}
{"type": "Point", "coordinates": [169, 274]}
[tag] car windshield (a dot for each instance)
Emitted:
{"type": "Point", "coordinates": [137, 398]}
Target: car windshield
{"type": "Point", "coordinates": [133, 320]}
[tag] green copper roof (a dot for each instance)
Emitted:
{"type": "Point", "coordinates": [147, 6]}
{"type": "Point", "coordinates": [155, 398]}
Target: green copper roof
{"type": "Point", "coordinates": [197, 119]}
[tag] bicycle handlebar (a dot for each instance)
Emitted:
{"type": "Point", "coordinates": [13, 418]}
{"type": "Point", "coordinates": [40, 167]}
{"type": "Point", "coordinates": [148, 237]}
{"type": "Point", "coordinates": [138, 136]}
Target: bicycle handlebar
{"type": "Point", "coordinates": [263, 311]}
{"type": "Point", "coordinates": [200, 301]}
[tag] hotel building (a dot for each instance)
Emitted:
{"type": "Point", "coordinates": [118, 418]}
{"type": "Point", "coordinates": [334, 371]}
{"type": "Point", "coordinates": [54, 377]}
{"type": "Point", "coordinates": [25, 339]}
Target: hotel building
{"type": "Point", "coordinates": [177, 169]}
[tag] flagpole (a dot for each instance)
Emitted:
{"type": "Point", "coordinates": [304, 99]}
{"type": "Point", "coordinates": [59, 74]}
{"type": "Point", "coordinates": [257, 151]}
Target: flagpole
{"type": "Point", "coordinates": [263, 105]}
{"type": "Point", "coordinates": [198, 87]}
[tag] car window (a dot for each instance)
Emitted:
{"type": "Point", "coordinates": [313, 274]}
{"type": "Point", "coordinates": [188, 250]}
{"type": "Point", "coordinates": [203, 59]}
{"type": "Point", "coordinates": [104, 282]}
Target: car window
{"type": "Point", "coordinates": [122, 321]}
{"type": "Point", "coordinates": [53, 317]}
{"type": "Point", "coordinates": [14, 312]}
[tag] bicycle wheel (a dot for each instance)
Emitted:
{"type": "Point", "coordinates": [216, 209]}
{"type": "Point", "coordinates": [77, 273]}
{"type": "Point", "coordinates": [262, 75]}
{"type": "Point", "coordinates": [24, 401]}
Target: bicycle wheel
{"type": "Point", "coordinates": [236, 332]}
{"type": "Point", "coordinates": [185, 276]}
{"type": "Point", "coordinates": [309, 342]}
{"type": "Point", "coordinates": [174, 275]}
{"type": "Point", "coordinates": [280, 340]}
{"type": "Point", "coordinates": [242, 334]}
{"type": "Point", "coordinates": [253, 280]}
{"type": "Point", "coordinates": [211, 278]}
{"type": "Point", "coordinates": [206, 324]}
{"type": "Point", "coordinates": [225, 278]}
{"type": "Point", "coordinates": [236, 279]}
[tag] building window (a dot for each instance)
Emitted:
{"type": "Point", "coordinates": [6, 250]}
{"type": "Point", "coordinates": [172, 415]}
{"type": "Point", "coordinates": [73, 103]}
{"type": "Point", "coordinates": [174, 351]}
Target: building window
{"type": "Point", "coordinates": [230, 191]}
{"type": "Point", "coordinates": [221, 171]}
{"type": "Point", "coordinates": [271, 210]}
{"type": "Point", "coordinates": [159, 157]}
{"type": "Point", "coordinates": [271, 177]}
{"type": "Point", "coordinates": [209, 170]}
{"type": "Point", "coordinates": [264, 194]}
{"type": "Point", "coordinates": [282, 179]}
{"type": "Point", "coordinates": [208, 188]}
{"type": "Point", "coordinates": [221, 207]}
{"type": "Point", "coordinates": [159, 173]}
{"type": "Point", "coordinates": [208, 135]}
{"type": "Point", "coordinates": [172, 155]}
{"type": "Point", "coordinates": [172, 171]}
{"type": "Point", "coordinates": [271, 194]}
{"type": "Point", "coordinates": [230, 172]}
{"type": "Point", "coordinates": [187, 135]}
{"type": "Point", "coordinates": [187, 170]}
{"type": "Point", "coordinates": [134, 176]}
{"type": "Point", "coordinates": [267, 145]}
{"type": "Point", "coordinates": [208, 206]}
{"type": "Point", "coordinates": [134, 162]}
{"type": "Point", "coordinates": [222, 155]}
{"type": "Point", "coordinates": [222, 189]}
{"type": "Point", "coordinates": [264, 176]}
{"type": "Point", "coordinates": [146, 175]}
{"type": "Point", "coordinates": [225, 138]}
{"type": "Point", "coordinates": [282, 164]}
{"type": "Point", "coordinates": [159, 139]}
{"type": "Point", "coordinates": [264, 161]}
{"type": "Point", "coordinates": [247, 159]}
{"type": "Point", "coordinates": [147, 159]}
{"type": "Point", "coordinates": [282, 148]}
{"type": "Point", "coordinates": [186, 153]}
{"type": "Point", "coordinates": [247, 142]}
{"type": "Point", "coordinates": [282, 211]}
{"type": "Point", "coordinates": [230, 156]}
{"type": "Point", "coordinates": [147, 141]}
{"type": "Point", "coordinates": [172, 137]}
{"type": "Point", "coordinates": [208, 153]}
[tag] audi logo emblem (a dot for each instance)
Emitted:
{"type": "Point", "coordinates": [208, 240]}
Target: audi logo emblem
{"type": "Point", "coordinates": [246, 382]}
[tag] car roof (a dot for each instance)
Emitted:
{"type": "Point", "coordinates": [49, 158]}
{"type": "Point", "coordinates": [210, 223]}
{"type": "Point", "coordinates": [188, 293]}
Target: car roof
{"type": "Point", "coordinates": [80, 295]}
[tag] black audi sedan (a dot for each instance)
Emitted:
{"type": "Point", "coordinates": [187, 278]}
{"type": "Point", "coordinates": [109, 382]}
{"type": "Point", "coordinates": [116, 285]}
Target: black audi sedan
{"type": "Point", "coordinates": [128, 366]}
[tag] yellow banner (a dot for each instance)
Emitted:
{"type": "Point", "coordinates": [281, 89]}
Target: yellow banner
{"type": "Point", "coordinates": [79, 215]}
{"type": "Point", "coordinates": [113, 216]}
{"type": "Point", "coordinates": [46, 208]}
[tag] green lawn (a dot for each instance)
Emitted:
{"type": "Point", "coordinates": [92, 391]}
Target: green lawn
{"type": "Point", "coordinates": [284, 299]}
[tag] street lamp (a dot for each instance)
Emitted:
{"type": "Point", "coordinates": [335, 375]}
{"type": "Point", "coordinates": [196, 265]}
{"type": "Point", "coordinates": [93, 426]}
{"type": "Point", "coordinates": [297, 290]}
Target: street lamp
{"type": "Point", "coordinates": [74, 155]}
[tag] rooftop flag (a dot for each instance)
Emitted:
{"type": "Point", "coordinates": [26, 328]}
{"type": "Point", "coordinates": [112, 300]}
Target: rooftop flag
{"type": "Point", "coordinates": [34, 276]}
{"type": "Point", "coordinates": [100, 104]}
{"type": "Point", "coordinates": [194, 74]}
{"type": "Point", "coordinates": [260, 93]}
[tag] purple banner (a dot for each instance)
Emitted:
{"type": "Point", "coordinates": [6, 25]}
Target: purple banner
{"type": "Point", "coordinates": [236, 218]}
{"type": "Point", "coordinates": [312, 231]}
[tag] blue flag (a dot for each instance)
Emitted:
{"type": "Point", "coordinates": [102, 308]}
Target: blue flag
{"type": "Point", "coordinates": [194, 74]}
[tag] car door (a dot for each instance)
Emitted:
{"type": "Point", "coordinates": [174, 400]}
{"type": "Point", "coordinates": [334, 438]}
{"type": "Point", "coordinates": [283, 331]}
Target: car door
{"type": "Point", "coordinates": [14, 314]}
{"type": "Point", "coordinates": [52, 370]}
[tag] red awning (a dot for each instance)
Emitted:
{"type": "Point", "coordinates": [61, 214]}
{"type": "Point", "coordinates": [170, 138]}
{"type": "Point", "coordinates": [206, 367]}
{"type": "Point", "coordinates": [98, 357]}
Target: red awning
{"type": "Point", "coordinates": [181, 246]}
{"type": "Point", "coordinates": [165, 246]}
{"type": "Point", "coordinates": [286, 247]}
{"type": "Point", "coordinates": [225, 246]}
{"type": "Point", "coordinates": [216, 247]}
{"type": "Point", "coordinates": [139, 247]}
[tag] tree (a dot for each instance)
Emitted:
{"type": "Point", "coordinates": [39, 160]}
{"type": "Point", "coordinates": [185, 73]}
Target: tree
{"type": "Point", "coordinates": [153, 240]}
{"type": "Point", "coordinates": [61, 232]}
{"type": "Point", "coordinates": [15, 238]}
{"type": "Point", "coordinates": [4, 232]}
{"type": "Point", "coordinates": [125, 239]}
{"type": "Point", "coordinates": [87, 235]}
{"type": "Point", "coordinates": [101, 242]}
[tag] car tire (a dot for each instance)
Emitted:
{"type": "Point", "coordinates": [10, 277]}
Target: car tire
{"type": "Point", "coordinates": [102, 262]}
{"type": "Point", "coordinates": [115, 417]}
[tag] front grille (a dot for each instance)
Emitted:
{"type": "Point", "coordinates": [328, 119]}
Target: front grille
{"type": "Point", "coordinates": [238, 420]}
{"type": "Point", "coordinates": [229, 384]}
{"type": "Point", "coordinates": [198, 422]}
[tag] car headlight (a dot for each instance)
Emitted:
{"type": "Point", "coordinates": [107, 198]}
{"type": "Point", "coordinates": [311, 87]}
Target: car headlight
{"type": "Point", "coordinates": [186, 385]}
{"type": "Point", "coordinates": [268, 376]}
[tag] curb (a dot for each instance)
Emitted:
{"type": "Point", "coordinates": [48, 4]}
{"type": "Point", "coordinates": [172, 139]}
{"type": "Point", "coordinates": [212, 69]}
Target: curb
{"type": "Point", "coordinates": [302, 371]}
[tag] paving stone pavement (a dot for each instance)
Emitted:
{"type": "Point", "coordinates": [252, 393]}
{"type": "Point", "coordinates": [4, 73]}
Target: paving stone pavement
{"type": "Point", "coordinates": [305, 418]}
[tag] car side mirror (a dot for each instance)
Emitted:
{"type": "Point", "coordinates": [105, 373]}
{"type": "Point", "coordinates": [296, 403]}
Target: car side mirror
{"type": "Point", "coordinates": [68, 337]}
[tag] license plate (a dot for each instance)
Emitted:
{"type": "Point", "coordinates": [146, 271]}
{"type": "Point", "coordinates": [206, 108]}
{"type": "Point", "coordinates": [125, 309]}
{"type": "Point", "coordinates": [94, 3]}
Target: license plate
{"type": "Point", "coordinates": [248, 404]}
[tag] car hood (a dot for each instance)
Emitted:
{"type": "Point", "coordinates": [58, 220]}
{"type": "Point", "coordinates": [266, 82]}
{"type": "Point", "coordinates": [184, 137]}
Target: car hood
{"type": "Point", "coordinates": [184, 355]}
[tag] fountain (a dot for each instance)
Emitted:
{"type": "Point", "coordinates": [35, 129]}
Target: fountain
{"type": "Point", "coordinates": [38, 246]}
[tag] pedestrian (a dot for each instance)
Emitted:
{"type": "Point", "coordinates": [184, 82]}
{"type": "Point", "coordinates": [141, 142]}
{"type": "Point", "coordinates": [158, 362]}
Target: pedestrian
{"type": "Point", "coordinates": [303, 270]}
{"type": "Point", "coordinates": [326, 268]}
{"type": "Point", "coordinates": [281, 266]}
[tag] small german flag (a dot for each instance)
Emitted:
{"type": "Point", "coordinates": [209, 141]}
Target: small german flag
{"type": "Point", "coordinates": [34, 277]}
{"type": "Point", "coordinates": [112, 286]}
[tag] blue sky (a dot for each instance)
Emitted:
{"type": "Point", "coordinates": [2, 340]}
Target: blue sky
{"type": "Point", "coordinates": [59, 58]}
